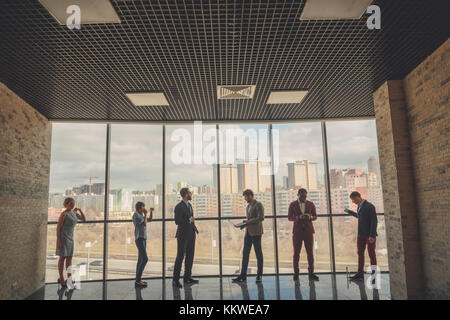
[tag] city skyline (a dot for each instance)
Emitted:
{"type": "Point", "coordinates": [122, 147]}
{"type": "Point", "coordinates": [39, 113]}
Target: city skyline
{"type": "Point", "coordinates": [358, 140]}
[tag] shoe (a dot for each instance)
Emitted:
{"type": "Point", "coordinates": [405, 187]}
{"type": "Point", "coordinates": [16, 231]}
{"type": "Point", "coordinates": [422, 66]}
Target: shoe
{"type": "Point", "coordinates": [63, 285]}
{"type": "Point", "coordinates": [239, 279]}
{"type": "Point", "coordinates": [258, 279]}
{"type": "Point", "coordinates": [140, 284]}
{"type": "Point", "coordinates": [177, 284]}
{"type": "Point", "coordinates": [356, 277]}
{"type": "Point", "coordinates": [312, 276]}
{"type": "Point", "coordinates": [190, 281]}
{"type": "Point", "coordinates": [295, 278]}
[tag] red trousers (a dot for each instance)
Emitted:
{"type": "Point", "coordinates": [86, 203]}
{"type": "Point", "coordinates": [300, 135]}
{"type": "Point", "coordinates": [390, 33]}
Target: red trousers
{"type": "Point", "coordinates": [361, 247]}
{"type": "Point", "coordinates": [297, 239]}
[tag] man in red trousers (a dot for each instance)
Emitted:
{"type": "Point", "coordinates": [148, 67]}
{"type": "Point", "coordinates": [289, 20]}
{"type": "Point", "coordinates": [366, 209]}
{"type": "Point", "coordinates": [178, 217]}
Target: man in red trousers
{"type": "Point", "coordinates": [302, 212]}
{"type": "Point", "coordinates": [367, 232]}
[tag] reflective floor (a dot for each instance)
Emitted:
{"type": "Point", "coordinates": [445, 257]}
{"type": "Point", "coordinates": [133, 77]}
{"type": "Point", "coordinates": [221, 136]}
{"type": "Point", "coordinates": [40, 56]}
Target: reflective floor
{"type": "Point", "coordinates": [330, 287]}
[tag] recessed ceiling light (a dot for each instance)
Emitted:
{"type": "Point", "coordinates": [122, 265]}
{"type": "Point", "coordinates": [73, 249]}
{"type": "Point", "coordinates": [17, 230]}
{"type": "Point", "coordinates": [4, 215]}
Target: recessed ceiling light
{"type": "Point", "coordinates": [91, 12]}
{"type": "Point", "coordinates": [288, 96]}
{"type": "Point", "coordinates": [235, 92]}
{"type": "Point", "coordinates": [334, 9]}
{"type": "Point", "coordinates": [148, 99]}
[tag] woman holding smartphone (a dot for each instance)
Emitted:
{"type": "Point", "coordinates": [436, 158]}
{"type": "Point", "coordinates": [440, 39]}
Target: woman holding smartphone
{"type": "Point", "coordinates": [64, 237]}
{"type": "Point", "coordinates": [140, 220]}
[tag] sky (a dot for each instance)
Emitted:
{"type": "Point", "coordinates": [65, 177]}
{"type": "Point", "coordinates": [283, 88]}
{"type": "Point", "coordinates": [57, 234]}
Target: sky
{"type": "Point", "coordinates": [78, 151]}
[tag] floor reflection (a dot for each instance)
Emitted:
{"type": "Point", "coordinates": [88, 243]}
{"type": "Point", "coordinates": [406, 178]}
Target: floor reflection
{"type": "Point", "coordinates": [330, 287]}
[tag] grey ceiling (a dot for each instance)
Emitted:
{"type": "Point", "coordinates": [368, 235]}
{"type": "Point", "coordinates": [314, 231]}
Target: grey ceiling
{"type": "Point", "coordinates": [187, 48]}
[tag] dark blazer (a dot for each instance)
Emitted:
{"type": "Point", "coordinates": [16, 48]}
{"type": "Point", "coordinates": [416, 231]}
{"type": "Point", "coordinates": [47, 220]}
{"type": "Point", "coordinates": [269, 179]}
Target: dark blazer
{"type": "Point", "coordinates": [367, 220]}
{"type": "Point", "coordinates": [304, 224]}
{"type": "Point", "coordinates": [185, 229]}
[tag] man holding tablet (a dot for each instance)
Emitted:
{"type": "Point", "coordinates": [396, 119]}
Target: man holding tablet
{"type": "Point", "coordinates": [253, 234]}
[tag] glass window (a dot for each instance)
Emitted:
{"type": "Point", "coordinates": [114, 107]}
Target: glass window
{"type": "Point", "coordinates": [206, 255]}
{"type": "Point", "coordinates": [321, 247]}
{"type": "Point", "coordinates": [123, 254]}
{"type": "Point", "coordinates": [77, 169]}
{"type": "Point", "coordinates": [135, 169]}
{"type": "Point", "coordinates": [244, 164]}
{"type": "Point", "coordinates": [88, 251]}
{"type": "Point", "coordinates": [298, 163]}
{"type": "Point", "coordinates": [190, 162]}
{"type": "Point", "coordinates": [232, 245]}
{"type": "Point", "coordinates": [135, 175]}
{"type": "Point", "coordinates": [353, 163]}
{"type": "Point", "coordinates": [345, 234]}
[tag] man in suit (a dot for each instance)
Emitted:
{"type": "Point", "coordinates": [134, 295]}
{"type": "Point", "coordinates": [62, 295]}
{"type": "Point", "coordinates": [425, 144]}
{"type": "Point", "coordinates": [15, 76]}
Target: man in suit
{"type": "Point", "coordinates": [367, 231]}
{"type": "Point", "coordinates": [253, 234]}
{"type": "Point", "coordinates": [186, 233]}
{"type": "Point", "coordinates": [302, 212]}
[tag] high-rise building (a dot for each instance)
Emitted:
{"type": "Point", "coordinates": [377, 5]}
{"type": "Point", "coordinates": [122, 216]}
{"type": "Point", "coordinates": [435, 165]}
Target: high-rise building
{"type": "Point", "coordinates": [337, 178]}
{"type": "Point", "coordinates": [355, 178]}
{"type": "Point", "coordinates": [98, 188]}
{"type": "Point", "coordinates": [228, 178]}
{"type": "Point", "coordinates": [254, 175]}
{"type": "Point", "coordinates": [373, 165]}
{"type": "Point", "coordinates": [248, 176]}
{"type": "Point", "coordinates": [169, 189]}
{"type": "Point", "coordinates": [264, 177]}
{"type": "Point", "coordinates": [303, 174]}
{"type": "Point", "coordinates": [285, 182]}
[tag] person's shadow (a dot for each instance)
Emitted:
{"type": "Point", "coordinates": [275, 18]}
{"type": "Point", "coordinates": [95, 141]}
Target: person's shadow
{"type": "Point", "coordinates": [188, 293]}
{"type": "Point", "coordinates": [362, 289]}
{"type": "Point", "coordinates": [298, 291]}
{"type": "Point", "coordinates": [138, 293]}
{"type": "Point", "coordinates": [376, 294]}
{"type": "Point", "coordinates": [244, 289]}
{"type": "Point", "coordinates": [176, 293]}
{"type": "Point", "coordinates": [69, 294]}
{"type": "Point", "coordinates": [312, 290]}
{"type": "Point", "coordinates": [61, 292]}
{"type": "Point", "coordinates": [260, 291]}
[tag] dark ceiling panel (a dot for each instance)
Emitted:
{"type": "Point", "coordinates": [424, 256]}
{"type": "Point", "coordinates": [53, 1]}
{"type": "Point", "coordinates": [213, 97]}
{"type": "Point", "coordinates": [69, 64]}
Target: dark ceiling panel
{"type": "Point", "coordinates": [187, 48]}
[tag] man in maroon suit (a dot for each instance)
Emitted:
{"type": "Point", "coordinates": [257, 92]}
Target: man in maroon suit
{"type": "Point", "coordinates": [302, 212]}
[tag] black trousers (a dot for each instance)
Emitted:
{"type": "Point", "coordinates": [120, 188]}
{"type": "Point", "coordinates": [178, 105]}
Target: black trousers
{"type": "Point", "coordinates": [185, 250]}
{"type": "Point", "coordinates": [248, 241]}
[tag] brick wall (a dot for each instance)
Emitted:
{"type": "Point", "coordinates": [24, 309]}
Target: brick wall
{"type": "Point", "coordinates": [412, 118]}
{"type": "Point", "coordinates": [25, 138]}
{"type": "Point", "coordinates": [427, 92]}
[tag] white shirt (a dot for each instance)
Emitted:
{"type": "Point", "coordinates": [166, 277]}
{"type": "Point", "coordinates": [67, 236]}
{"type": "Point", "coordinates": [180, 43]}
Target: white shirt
{"type": "Point", "coordinates": [302, 206]}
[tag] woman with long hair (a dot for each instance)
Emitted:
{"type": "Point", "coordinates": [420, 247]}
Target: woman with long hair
{"type": "Point", "coordinates": [64, 237]}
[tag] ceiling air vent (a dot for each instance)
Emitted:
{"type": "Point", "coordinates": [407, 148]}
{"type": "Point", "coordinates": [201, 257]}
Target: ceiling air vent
{"type": "Point", "coordinates": [235, 92]}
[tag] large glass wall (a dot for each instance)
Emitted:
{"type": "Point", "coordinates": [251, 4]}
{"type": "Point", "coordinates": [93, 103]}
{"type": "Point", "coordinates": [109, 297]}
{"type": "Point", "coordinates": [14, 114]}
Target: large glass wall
{"type": "Point", "coordinates": [135, 175]}
{"type": "Point", "coordinates": [151, 163]}
{"type": "Point", "coordinates": [300, 165]}
{"type": "Point", "coordinates": [190, 156]}
{"type": "Point", "coordinates": [354, 166]}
